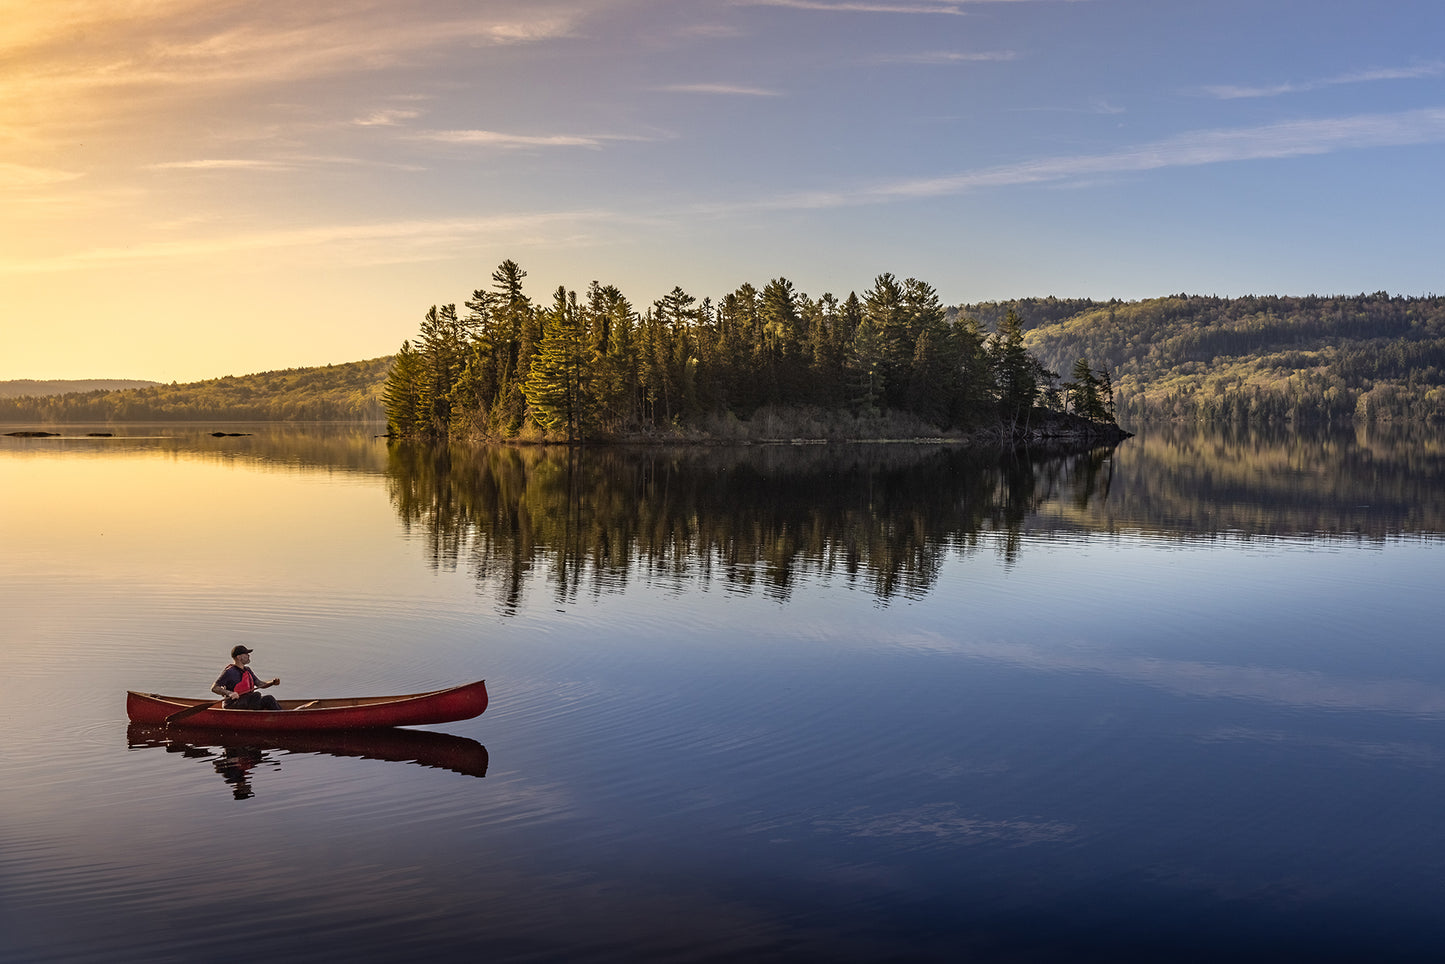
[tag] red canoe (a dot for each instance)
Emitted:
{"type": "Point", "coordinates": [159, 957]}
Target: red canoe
{"type": "Point", "coordinates": [415, 709]}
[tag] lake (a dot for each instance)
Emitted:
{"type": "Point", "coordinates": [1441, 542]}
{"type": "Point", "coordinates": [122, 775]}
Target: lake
{"type": "Point", "coordinates": [1179, 700]}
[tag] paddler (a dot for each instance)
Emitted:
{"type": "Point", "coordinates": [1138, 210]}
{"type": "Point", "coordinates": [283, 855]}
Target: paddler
{"type": "Point", "coordinates": [240, 687]}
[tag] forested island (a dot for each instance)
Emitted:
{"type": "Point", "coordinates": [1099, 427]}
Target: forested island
{"type": "Point", "coordinates": [774, 362]}
{"type": "Point", "coordinates": [769, 361]}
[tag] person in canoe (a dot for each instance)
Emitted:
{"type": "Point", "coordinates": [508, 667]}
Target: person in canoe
{"type": "Point", "coordinates": [240, 687]}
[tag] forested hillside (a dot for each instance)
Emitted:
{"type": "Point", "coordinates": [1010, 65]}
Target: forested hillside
{"type": "Point", "coordinates": [507, 367]}
{"type": "Point", "coordinates": [30, 386]}
{"type": "Point", "coordinates": [334, 392]}
{"type": "Point", "coordinates": [1255, 358]}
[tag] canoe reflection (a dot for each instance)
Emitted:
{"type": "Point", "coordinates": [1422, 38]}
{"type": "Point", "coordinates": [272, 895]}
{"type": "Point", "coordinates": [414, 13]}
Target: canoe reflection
{"type": "Point", "coordinates": [235, 755]}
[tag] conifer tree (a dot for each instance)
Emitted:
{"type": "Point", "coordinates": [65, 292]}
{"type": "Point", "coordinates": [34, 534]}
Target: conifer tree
{"type": "Point", "coordinates": [401, 393]}
{"type": "Point", "coordinates": [1084, 391]}
{"type": "Point", "coordinates": [1016, 373]}
{"type": "Point", "coordinates": [557, 384]}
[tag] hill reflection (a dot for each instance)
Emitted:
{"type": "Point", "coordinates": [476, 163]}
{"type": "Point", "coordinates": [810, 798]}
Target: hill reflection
{"type": "Point", "coordinates": [884, 517]}
{"type": "Point", "coordinates": [1358, 483]}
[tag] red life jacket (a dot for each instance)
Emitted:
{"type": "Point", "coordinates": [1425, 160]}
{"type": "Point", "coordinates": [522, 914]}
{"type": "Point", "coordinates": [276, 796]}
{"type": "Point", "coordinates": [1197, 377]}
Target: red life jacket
{"type": "Point", "coordinates": [247, 684]}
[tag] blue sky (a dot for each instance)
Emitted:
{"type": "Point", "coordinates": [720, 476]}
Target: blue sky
{"type": "Point", "coordinates": [192, 189]}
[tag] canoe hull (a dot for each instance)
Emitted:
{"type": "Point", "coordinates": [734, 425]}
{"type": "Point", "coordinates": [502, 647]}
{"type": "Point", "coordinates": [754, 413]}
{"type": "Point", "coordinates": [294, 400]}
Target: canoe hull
{"type": "Point", "coordinates": [414, 709]}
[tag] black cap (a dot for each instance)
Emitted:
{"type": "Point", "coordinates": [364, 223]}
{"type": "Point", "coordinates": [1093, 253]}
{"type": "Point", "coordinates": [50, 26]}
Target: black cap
{"type": "Point", "coordinates": [238, 650]}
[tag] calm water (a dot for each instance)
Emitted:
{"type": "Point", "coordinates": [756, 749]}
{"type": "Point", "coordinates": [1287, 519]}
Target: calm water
{"type": "Point", "coordinates": [1184, 700]}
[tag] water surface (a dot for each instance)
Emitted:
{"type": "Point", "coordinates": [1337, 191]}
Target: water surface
{"type": "Point", "coordinates": [1179, 700]}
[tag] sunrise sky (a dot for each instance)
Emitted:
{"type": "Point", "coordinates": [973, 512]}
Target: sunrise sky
{"type": "Point", "coordinates": [195, 188]}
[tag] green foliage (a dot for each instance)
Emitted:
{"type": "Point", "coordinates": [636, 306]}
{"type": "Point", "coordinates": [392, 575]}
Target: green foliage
{"type": "Point", "coordinates": [60, 386]}
{"type": "Point", "coordinates": [596, 368]}
{"type": "Point", "coordinates": [348, 392]}
{"type": "Point", "coordinates": [558, 383]}
{"type": "Point", "coordinates": [1252, 359]}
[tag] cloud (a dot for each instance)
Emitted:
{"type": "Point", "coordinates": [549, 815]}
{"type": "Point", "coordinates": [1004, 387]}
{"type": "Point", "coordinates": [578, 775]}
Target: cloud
{"type": "Point", "coordinates": [1417, 72]}
{"type": "Point", "coordinates": [1281, 687]}
{"type": "Point", "coordinates": [86, 55]}
{"type": "Point", "coordinates": [384, 242]}
{"type": "Point", "coordinates": [877, 6]}
{"type": "Point", "coordinates": [220, 164]}
{"type": "Point", "coordinates": [946, 57]}
{"type": "Point", "coordinates": [386, 118]}
{"type": "Point", "coordinates": [289, 163]}
{"type": "Point", "coordinates": [507, 141]}
{"type": "Point", "coordinates": [26, 177]}
{"type": "Point", "coordinates": [946, 822]}
{"type": "Point", "coordinates": [859, 6]}
{"type": "Point", "coordinates": [1272, 141]}
{"type": "Point", "coordinates": [738, 90]}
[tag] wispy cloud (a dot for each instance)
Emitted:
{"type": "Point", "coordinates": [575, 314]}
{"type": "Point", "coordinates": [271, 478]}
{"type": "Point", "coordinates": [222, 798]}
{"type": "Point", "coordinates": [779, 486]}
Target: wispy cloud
{"type": "Point", "coordinates": [26, 177]}
{"type": "Point", "coordinates": [389, 117]}
{"type": "Point", "coordinates": [735, 90]}
{"type": "Point", "coordinates": [1417, 72]}
{"type": "Point", "coordinates": [946, 57]}
{"type": "Point", "coordinates": [383, 242]}
{"type": "Point", "coordinates": [1278, 686]}
{"type": "Point", "coordinates": [946, 822]}
{"type": "Point", "coordinates": [483, 138]}
{"type": "Point", "coordinates": [288, 163]}
{"type": "Point", "coordinates": [954, 8]}
{"type": "Point", "coordinates": [1272, 141]}
{"type": "Point", "coordinates": [859, 6]}
{"type": "Point", "coordinates": [193, 49]}
{"type": "Point", "coordinates": [221, 164]}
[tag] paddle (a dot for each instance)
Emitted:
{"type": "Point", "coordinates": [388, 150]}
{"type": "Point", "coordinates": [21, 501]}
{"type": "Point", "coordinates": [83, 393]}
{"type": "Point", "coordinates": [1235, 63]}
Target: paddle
{"type": "Point", "coordinates": [179, 715]}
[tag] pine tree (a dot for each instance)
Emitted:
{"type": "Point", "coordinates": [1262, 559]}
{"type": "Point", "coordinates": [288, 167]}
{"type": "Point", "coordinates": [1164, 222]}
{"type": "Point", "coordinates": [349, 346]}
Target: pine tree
{"type": "Point", "coordinates": [1083, 392]}
{"type": "Point", "coordinates": [1016, 372]}
{"type": "Point", "coordinates": [887, 317]}
{"type": "Point", "coordinates": [557, 385]}
{"type": "Point", "coordinates": [401, 393]}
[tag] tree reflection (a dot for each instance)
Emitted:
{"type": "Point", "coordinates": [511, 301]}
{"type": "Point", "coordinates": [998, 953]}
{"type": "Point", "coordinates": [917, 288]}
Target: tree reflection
{"type": "Point", "coordinates": [755, 519]}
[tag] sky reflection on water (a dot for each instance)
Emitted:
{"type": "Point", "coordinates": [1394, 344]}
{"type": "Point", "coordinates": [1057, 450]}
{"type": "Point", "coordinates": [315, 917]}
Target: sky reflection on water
{"type": "Point", "coordinates": [997, 718]}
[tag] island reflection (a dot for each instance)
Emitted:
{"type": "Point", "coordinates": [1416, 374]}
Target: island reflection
{"type": "Point", "coordinates": [236, 755]}
{"type": "Point", "coordinates": [884, 517]}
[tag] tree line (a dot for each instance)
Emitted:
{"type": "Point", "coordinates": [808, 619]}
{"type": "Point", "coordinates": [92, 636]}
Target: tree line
{"type": "Point", "coordinates": [348, 392]}
{"type": "Point", "coordinates": [575, 368]}
{"type": "Point", "coordinates": [1257, 358]}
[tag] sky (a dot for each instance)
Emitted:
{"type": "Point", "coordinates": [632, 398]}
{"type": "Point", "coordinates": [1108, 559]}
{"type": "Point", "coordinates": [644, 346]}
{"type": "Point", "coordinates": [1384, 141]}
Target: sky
{"type": "Point", "coordinates": [196, 188]}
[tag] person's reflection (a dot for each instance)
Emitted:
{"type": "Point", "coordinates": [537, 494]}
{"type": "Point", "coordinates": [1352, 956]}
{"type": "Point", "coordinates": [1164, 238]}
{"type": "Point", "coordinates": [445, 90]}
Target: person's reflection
{"type": "Point", "coordinates": [235, 761]}
{"type": "Point", "coordinates": [234, 765]}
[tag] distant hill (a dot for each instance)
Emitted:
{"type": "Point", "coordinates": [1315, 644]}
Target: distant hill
{"type": "Point", "coordinates": [1265, 358]}
{"type": "Point", "coordinates": [1255, 358]}
{"type": "Point", "coordinates": [38, 388]}
{"type": "Point", "coordinates": [350, 391]}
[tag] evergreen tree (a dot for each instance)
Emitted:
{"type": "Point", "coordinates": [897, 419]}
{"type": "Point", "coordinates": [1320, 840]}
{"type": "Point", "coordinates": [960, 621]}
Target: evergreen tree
{"type": "Point", "coordinates": [443, 350]}
{"type": "Point", "coordinates": [1016, 373]}
{"type": "Point", "coordinates": [888, 318]}
{"type": "Point", "coordinates": [613, 348]}
{"type": "Point", "coordinates": [1083, 392]}
{"type": "Point", "coordinates": [557, 384]}
{"type": "Point", "coordinates": [402, 391]}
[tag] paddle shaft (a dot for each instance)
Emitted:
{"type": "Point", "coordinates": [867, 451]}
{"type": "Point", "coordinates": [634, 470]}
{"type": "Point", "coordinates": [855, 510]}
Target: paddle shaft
{"type": "Point", "coordinates": [191, 711]}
